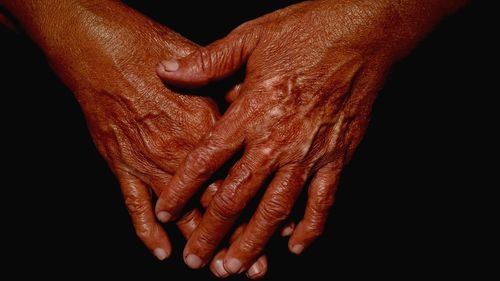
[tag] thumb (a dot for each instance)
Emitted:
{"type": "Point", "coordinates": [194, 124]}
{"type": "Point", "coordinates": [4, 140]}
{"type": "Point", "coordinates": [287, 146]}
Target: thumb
{"type": "Point", "coordinates": [213, 62]}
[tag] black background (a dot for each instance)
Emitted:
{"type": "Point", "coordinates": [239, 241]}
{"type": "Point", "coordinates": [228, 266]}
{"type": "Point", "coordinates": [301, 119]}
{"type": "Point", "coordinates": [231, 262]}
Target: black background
{"type": "Point", "coordinates": [403, 208]}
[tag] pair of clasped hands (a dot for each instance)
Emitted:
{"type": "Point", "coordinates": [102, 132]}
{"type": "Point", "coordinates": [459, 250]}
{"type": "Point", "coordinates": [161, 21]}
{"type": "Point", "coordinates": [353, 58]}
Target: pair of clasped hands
{"type": "Point", "coordinates": [312, 73]}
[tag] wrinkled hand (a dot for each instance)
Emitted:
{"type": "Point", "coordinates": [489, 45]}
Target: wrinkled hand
{"type": "Point", "coordinates": [106, 53]}
{"type": "Point", "coordinates": [142, 129]}
{"type": "Point", "coordinates": [190, 221]}
{"type": "Point", "coordinates": [312, 74]}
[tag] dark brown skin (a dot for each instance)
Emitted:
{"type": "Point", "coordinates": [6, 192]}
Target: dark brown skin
{"type": "Point", "coordinates": [188, 223]}
{"type": "Point", "coordinates": [312, 73]}
{"type": "Point", "coordinates": [106, 53]}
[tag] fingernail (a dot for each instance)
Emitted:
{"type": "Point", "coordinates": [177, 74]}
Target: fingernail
{"type": "Point", "coordinates": [193, 261]}
{"type": "Point", "coordinates": [287, 231]}
{"type": "Point", "coordinates": [170, 65]}
{"type": "Point", "coordinates": [254, 270]}
{"type": "Point", "coordinates": [232, 265]}
{"type": "Point", "coordinates": [297, 249]}
{"type": "Point", "coordinates": [220, 270]}
{"type": "Point", "coordinates": [160, 253]}
{"type": "Point", "coordinates": [164, 216]}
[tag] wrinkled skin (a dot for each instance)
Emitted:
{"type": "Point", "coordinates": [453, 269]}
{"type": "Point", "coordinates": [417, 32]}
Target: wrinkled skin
{"type": "Point", "coordinates": [107, 58]}
{"type": "Point", "coordinates": [98, 49]}
{"type": "Point", "coordinates": [106, 55]}
{"type": "Point", "coordinates": [312, 74]}
{"type": "Point", "coordinates": [188, 223]}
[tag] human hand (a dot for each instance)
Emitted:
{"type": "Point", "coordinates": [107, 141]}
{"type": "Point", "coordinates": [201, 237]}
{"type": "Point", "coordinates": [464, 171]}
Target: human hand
{"type": "Point", "coordinates": [106, 54]}
{"type": "Point", "coordinates": [190, 221]}
{"type": "Point", "coordinates": [312, 74]}
{"type": "Point", "coordinates": [142, 129]}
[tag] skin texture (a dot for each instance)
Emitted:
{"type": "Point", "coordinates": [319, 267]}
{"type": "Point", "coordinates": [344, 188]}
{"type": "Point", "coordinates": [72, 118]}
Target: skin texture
{"type": "Point", "coordinates": [106, 53]}
{"type": "Point", "coordinates": [312, 73]}
{"type": "Point", "coordinates": [188, 223]}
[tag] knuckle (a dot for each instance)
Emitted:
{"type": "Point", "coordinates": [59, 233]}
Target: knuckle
{"type": "Point", "coordinates": [275, 210]}
{"type": "Point", "coordinates": [206, 117]}
{"type": "Point", "coordinates": [314, 228]}
{"type": "Point", "coordinates": [144, 231]}
{"type": "Point", "coordinates": [322, 204]}
{"type": "Point", "coordinates": [224, 207]}
{"type": "Point", "coordinates": [205, 61]}
{"type": "Point", "coordinates": [170, 200]}
{"type": "Point", "coordinates": [136, 206]}
{"type": "Point", "coordinates": [198, 164]}
{"type": "Point", "coordinates": [207, 240]}
{"type": "Point", "coordinates": [251, 246]}
{"type": "Point", "coordinates": [315, 231]}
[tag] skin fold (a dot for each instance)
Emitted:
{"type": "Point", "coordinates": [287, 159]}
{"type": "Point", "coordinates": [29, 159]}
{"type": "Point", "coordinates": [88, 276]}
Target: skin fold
{"type": "Point", "coordinates": [312, 74]}
{"type": "Point", "coordinates": [188, 223]}
{"type": "Point", "coordinates": [106, 54]}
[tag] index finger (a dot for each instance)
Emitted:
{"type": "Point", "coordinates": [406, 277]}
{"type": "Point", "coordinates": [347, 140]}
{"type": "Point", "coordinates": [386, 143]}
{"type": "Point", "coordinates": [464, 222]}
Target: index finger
{"type": "Point", "coordinates": [138, 202]}
{"type": "Point", "coordinates": [215, 149]}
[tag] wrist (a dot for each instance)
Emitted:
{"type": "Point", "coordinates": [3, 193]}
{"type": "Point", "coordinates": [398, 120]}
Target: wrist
{"type": "Point", "coordinates": [386, 28]}
{"type": "Point", "coordinates": [44, 21]}
{"type": "Point", "coordinates": [414, 19]}
{"type": "Point", "coordinates": [56, 25]}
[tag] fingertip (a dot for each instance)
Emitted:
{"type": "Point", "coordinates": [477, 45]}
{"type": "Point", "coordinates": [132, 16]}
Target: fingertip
{"type": "Point", "coordinates": [288, 230]}
{"type": "Point", "coordinates": [209, 193]}
{"type": "Point", "coordinates": [161, 254]}
{"type": "Point", "coordinates": [296, 249]}
{"type": "Point", "coordinates": [163, 248]}
{"type": "Point", "coordinates": [164, 216]}
{"type": "Point", "coordinates": [258, 269]}
{"type": "Point", "coordinates": [160, 71]}
{"type": "Point", "coordinates": [298, 240]}
{"type": "Point", "coordinates": [158, 243]}
{"type": "Point", "coordinates": [253, 271]}
{"type": "Point", "coordinates": [217, 267]}
{"type": "Point", "coordinates": [232, 265]}
{"type": "Point", "coordinates": [166, 69]}
{"type": "Point", "coordinates": [193, 261]}
{"type": "Point", "coordinates": [170, 65]}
